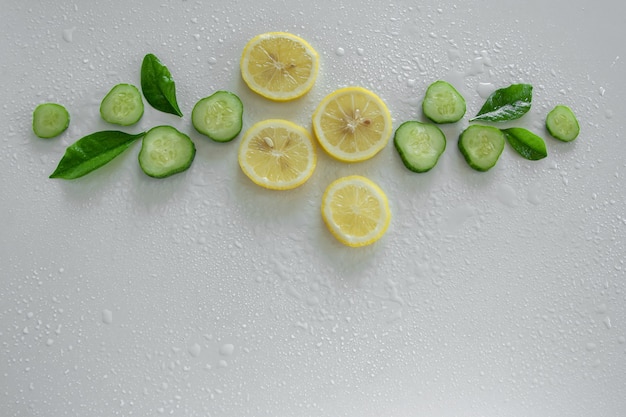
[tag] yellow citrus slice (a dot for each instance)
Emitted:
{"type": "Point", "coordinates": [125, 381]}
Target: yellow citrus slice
{"type": "Point", "coordinates": [352, 124]}
{"type": "Point", "coordinates": [277, 154]}
{"type": "Point", "coordinates": [279, 66]}
{"type": "Point", "coordinates": [355, 210]}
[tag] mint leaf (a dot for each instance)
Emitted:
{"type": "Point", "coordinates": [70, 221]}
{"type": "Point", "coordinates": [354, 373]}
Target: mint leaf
{"type": "Point", "coordinates": [158, 85]}
{"type": "Point", "coordinates": [91, 152]}
{"type": "Point", "coordinates": [508, 103]}
{"type": "Point", "coordinates": [526, 143]}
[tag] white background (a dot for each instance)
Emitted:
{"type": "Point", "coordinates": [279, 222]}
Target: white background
{"type": "Point", "coordinates": [492, 294]}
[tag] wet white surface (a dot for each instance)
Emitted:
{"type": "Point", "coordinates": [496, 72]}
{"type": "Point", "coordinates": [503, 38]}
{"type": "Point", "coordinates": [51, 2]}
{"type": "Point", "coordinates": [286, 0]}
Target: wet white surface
{"type": "Point", "coordinates": [492, 294]}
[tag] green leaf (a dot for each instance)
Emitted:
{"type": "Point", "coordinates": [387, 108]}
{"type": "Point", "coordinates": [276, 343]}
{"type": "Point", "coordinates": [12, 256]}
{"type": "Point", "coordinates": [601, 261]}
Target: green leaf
{"type": "Point", "coordinates": [91, 152]}
{"type": "Point", "coordinates": [526, 143]}
{"type": "Point", "coordinates": [508, 103]}
{"type": "Point", "coordinates": [158, 85]}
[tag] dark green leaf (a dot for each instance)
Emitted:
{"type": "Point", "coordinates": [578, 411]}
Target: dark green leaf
{"type": "Point", "coordinates": [91, 152]}
{"type": "Point", "coordinates": [158, 85]}
{"type": "Point", "coordinates": [508, 103]}
{"type": "Point", "coordinates": [526, 143]}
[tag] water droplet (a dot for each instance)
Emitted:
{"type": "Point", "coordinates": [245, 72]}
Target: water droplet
{"type": "Point", "coordinates": [507, 195]}
{"type": "Point", "coordinates": [360, 51]}
{"type": "Point", "coordinates": [484, 90]}
{"type": "Point", "coordinates": [227, 349]}
{"type": "Point", "coordinates": [534, 195]}
{"type": "Point", "coordinates": [458, 215]}
{"type": "Point", "coordinates": [68, 34]}
{"type": "Point", "coordinates": [607, 322]}
{"type": "Point", "coordinates": [107, 316]}
{"type": "Point", "coordinates": [212, 60]}
{"type": "Point", "coordinates": [194, 350]}
{"type": "Point", "coordinates": [49, 342]}
{"type": "Point", "coordinates": [621, 340]}
{"type": "Point", "coordinates": [591, 346]}
{"type": "Point", "coordinates": [340, 51]}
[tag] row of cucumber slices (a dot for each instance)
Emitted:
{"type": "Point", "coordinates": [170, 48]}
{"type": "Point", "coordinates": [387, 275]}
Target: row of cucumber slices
{"type": "Point", "coordinates": [165, 150]}
{"type": "Point", "coordinates": [421, 144]}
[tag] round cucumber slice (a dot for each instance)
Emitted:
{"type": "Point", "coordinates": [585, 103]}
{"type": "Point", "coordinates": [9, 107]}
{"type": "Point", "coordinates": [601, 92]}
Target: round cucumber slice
{"type": "Point", "coordinates": [481, 146]}
{"type": "Point", "coordinates": [419, 144]}
{"type": "Point", "coordinates": [219, 116]}
{"type": "Point", "coordinates": [122, 106]}
{"type": "Point", "coordinates": [562, 124]}
{"type": "Point", "coordinates": [165, 151]}
{"type": "Point", "coordinates": [50, 120]}
{"type": "Point", "coordinates": [443, 103]}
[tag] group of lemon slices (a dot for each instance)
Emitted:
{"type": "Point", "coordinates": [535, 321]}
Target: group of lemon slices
{"type": "Point", "coordinates": [351, 124]}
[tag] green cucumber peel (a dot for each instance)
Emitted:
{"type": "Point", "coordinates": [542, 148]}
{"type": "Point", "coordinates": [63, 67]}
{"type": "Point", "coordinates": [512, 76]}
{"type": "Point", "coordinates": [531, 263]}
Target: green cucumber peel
{"type": "Point", "coordinates": [93, 151]}
{"type": "Point", "coordinates": [508, 103]}
{"type": "Point", "coordinates": [158, 86]}
{"type": "Point", "coordinates": [526, 143]}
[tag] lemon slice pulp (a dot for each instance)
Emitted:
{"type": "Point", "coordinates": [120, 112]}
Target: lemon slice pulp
{"type": "Point", "coordinates": [355, 210]}
{"type": "Point", "coordinates": [352, 124]}
{"type": "Point", "coordinates": [279, 66]}
{"type": "Point", "coordinates": [277, 154]}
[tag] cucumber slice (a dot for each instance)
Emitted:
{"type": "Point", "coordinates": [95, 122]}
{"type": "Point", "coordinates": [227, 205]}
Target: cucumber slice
{"type": "Point", "coordinates": [218, 116]}
{"type": "Point", "coordinates": [165, 151]}
{"type": "Point", "coordinates": [419, 144]}
{"type": "Point", "coordinates": [443, 103]}
{"type": "Point", "coordinates": [562, 124]}
{"type": "Point", "coordinates": [122, 106]}
{"type": "Point", "coordinates": [481, 146]}
{"type": "Point", "coordinates": [50, 120]}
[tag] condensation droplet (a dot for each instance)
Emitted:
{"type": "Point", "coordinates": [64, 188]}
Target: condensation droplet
{"type": "Point", "coordinates": [507, 195]}
{"type": "Point", "coordinates": [68, 34]}
{"type": "Point", "coordinates": [107, 316]}
{"type": "Point", "coordinates": [340, 51]}
{"type": "Point", "coordinates": [194, 350]}
{"type": "Point", "coordinates": [227, 349]}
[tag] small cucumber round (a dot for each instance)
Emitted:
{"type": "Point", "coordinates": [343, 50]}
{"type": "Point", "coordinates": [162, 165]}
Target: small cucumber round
{"type": "Point", "coordinates": [50, 120]}
{"type": "Point", "coordinates": [443, 103]}
{"type": "Point", "coordinates": [165, 151]}
{"type": "Point", "coordinates": [219, 116]}
{"type": "Point", "coordinates": [419, 144]}
{"type": "Point", "coordinates": [562, 124]}
{"type": "Point", "coordinates": [122, 106]}
{"type": "Point", "coordinates": [481, 146]}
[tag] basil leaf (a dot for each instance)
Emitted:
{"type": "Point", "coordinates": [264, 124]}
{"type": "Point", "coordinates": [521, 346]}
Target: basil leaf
{"type": "Point", "coordinates": [91, 152]}
{"type": "Point", "coordinates": [508, 103]}
{"type": "Point", "coordinates": [158, 85]}
{"type": "Point", "coordinates": [526, 143]}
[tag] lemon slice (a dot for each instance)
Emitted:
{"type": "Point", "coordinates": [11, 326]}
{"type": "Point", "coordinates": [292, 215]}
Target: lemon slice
{"type": "Point", "coordinates": [279, 66]}
{"type": "Point", "coordinates": [277, 154]}
{"type": "Point", "coordinates": [355, 210]}
{"type": "Point", "coordinates": [352, 124]}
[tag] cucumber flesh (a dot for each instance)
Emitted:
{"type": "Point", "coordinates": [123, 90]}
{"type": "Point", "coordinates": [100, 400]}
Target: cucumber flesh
{"type": "Point", "coordinates": [443, 103]}
{"type": "Point", "coordinates": [122, 106]}
{"type": "Point", "coordinates": [419, 145]}
{"type": "Point", "coordinates": [562, 124]}
{"type": "Point", "coordinates": [50, 120]}
{"type": "Point", "coordinates": [165, 151]}
{"type": "Point", "coordinates": [219, 116]}
{"type": "Point", "coordinates": [481, 146]}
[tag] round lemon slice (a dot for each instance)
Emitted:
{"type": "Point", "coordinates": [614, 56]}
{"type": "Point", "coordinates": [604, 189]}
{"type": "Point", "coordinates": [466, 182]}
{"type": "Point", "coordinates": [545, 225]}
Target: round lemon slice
{"type": "Point", "coordinates": [277, 154]}
{"type": "Point", "coordinates": [279, 66]}
{"type": "Point", "coordinates": [355, 210]}
{"type": "Point", "coordinates": [352, 124]}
